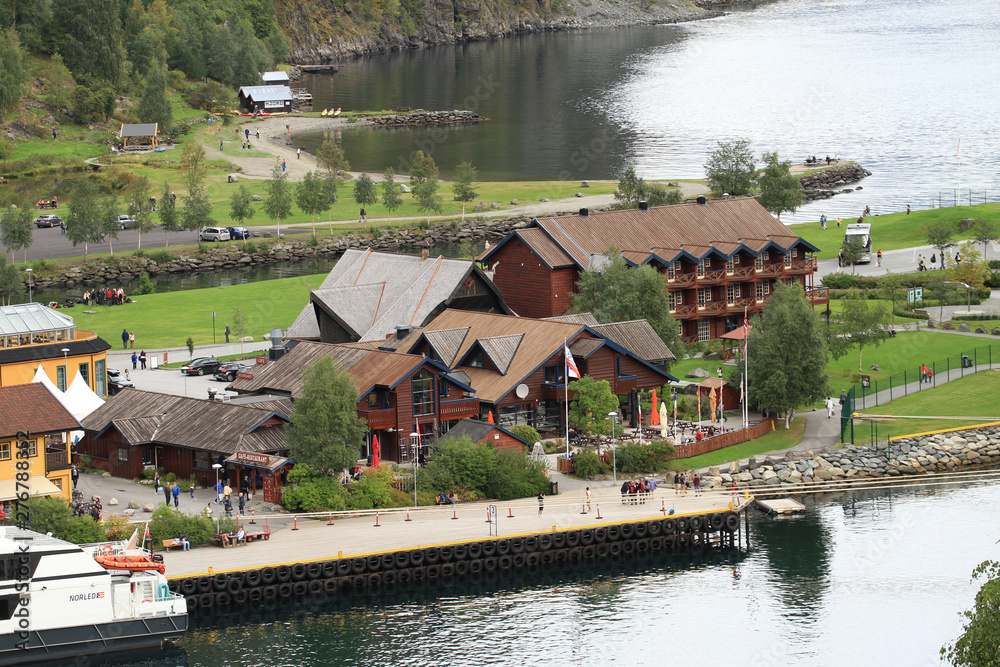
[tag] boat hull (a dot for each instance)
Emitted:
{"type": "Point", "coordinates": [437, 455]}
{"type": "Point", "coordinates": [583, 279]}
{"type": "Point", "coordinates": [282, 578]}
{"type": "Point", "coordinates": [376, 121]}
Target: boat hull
{"type": "Point", "coordinates": [99, 639]}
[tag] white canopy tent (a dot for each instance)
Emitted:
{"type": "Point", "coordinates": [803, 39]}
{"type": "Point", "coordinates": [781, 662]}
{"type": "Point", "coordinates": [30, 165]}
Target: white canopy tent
{"type": "Point", "coordinates": [80, 399]}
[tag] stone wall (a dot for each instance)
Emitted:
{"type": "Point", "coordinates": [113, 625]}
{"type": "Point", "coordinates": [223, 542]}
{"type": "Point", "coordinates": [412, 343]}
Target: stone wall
{"type": "Point", "coordinates": [824, 184]}
{"type": "Point", "coordinates": [941, 452]}
{"type": "Point", "coordinates": [456, 117]}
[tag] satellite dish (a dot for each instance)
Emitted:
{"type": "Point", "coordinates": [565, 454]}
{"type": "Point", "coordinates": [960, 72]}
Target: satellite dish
{"type": "Point", "coordinates": [521, 391]}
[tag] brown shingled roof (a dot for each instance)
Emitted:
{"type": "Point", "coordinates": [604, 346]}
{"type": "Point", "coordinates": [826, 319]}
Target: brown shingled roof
{"type": "Point", "coordinates": [31, 408]}
{"type": "Point", "coordinates": [543, 246]}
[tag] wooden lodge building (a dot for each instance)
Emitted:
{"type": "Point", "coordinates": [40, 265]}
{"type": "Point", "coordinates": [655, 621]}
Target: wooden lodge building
{"type": "Point", "coordinates": [266, 99]}
{"type": "Point", "coordinates": [369, 295]}
{"type": "Point", "coordinates": [720, 258]}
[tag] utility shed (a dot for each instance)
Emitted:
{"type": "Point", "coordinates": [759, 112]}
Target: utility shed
{"type": "Point", "coordinates": [266, 99]}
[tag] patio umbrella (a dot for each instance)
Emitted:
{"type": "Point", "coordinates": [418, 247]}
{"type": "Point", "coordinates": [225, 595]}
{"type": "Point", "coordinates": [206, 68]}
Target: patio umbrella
{"type": "Point", "coordinates": [713, 403]}
{"type": "Point", "coordinates": [376, 451]}
{"type": "Point", "coordinates": [489, 418]}
{"type": "Point", "coordinates": [663, 419]}
{"type": "Point", "coordinates": [654, 416]}
{"type": "Point", "coordinates": [699, 404]}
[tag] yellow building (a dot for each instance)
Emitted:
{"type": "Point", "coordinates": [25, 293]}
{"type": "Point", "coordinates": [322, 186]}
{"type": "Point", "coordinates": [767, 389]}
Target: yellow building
{"type": "Point", "coordinates": [32, 334]}
{"type": "Point", "coordinates": [34, 439]}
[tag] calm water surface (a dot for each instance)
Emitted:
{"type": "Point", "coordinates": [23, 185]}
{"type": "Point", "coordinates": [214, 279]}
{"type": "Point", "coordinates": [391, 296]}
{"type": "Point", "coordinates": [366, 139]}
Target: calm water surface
{"type": "Point", "coordinates": [894, 84]}
{"type": "Point", "coordinates": [864, 578]}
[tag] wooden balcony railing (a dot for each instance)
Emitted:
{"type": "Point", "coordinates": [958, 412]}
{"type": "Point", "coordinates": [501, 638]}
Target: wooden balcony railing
{"type": "Point", "coordinates": [681, 279]}
{"type": "Point", "coordinates": [685, 311]}
{"type": "Point", "coordinates": [56, 461]}
{"type": "Point", "coordinates": [818, 295]}
{"type": "Point", "coordinates": [803, 266]}
{"type": "Point", "coordinates": [744, 273]}
{"type": "Point", "coordinates": [689, 339]}
{"type": "Point", "coordinates": [744, 302]}
{"type": "Point", "coordinates": [459, 409]}
{"type": "Point", "coordinates": [379, 419]}
{"type": "Point", "coordinates": [769, 270]}
{"type": "Point", "coordinates": [712, 308]}
{"type": "Point", "coordinates": [711, 277]}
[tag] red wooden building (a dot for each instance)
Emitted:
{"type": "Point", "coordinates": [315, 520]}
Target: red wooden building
{"type": "Point", "coordinates": [494, 434]}
{"type": "Point", "coordinates": [720, 258]}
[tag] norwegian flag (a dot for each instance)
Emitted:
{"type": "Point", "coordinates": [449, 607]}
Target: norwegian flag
{"type": "Point", "coordinates": [571, 369]}
{"type": "Point", "coordinates": [746, 332]}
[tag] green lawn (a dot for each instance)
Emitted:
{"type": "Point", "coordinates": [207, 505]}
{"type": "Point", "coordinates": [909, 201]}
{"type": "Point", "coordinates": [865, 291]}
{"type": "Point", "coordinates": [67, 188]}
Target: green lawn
{"type": "Point", "coordinates": [894, 230]}
{"type": "Point", "coordinates": [773, 441]}
{"type": "Point", "coordinates": [166, 320]}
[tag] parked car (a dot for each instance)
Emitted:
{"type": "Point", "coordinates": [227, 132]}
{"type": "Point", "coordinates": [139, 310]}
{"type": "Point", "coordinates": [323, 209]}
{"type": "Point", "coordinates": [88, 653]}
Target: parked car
{"type": "Point", "coordinates": [200, 366]}
{"type": "Point", "coordinates": [126, 222]}
{"type": "Point", "coordinates": [117, 381]}
{"type": "Point", "coordinates": [215, 234]}
{"type": "Point", "coordinates": [239, 233]}
{"type": "Point", "coordinates": [48, 220]}
{"type": "Point", "coordinates": [227, 371]}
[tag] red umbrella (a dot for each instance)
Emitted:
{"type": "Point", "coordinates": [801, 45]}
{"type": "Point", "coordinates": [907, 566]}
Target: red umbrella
{"type": "Point", "coordinates": [490, 418]}
{"type": "Point", "coordinates": [654, 416]}
{"type": "Point", "coordinates": [376, 451]}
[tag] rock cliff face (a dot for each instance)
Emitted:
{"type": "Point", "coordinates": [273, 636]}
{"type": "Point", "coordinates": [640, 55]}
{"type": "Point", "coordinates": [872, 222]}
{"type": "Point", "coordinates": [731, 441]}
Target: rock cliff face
{"type": "Point", "coordinates": [322, 31]}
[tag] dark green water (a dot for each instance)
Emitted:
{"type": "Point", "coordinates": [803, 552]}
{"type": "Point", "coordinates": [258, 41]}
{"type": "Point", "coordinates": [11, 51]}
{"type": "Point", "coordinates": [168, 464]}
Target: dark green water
{"type": "Point", "coordinates": [871, 578]}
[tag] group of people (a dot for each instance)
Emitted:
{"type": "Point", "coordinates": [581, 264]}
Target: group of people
{"type": "Point", "coordinates": [926, 374]}
{"type": "Point", "coordinates": [683, 480]}
{"type": "Point", "coordinates": [812, 159]}
{"type": "Point", "coordinates": [41, 204]}
{"type": "Point", "coordinates": [922, 262]}
{"type": "Point", "coordinates": [139, 359]}
{"type": "Point", "coordinates": [128, 340]}
{"type": "Point", "coordinates": [105, 297]}
{"type": "Point", "coordinates": [636, 491]}
{"type": "Point", "coordinates": [447, 499]}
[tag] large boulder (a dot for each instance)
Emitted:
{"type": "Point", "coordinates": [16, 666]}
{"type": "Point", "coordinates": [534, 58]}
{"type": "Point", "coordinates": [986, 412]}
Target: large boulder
{"type": "Point", "coordinates": [148, 507]}
{"type": "Point", "coordinates": [113, 501]}
{"type": "Point", "coordinates": [964, 327]}
{"type": "Point", "coordinates": [133, 504]}
{"type": "Point", "coordinates": [698, 373]}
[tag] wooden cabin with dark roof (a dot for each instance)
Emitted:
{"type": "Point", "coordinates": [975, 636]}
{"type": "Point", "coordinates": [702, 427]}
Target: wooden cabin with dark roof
{"type": "Point", "coordinates": [483, 431]}
{"type": "Point", "coordinates": [721, 259]}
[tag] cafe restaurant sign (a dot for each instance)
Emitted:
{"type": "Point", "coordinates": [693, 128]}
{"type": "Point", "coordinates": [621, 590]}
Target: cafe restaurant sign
{"type": "Point", "coordinates": [253, 458]}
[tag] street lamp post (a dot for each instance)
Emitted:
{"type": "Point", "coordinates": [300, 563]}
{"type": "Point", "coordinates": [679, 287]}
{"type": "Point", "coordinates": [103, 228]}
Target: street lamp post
{"type": "Point", "coordinates": [29, 271]}
{"type": "Point", "coordinates": [614, 454]}
{"type": "Point", "coordinates": [218, 508]}
{"type": "Point", "coordinates": [415, 443]}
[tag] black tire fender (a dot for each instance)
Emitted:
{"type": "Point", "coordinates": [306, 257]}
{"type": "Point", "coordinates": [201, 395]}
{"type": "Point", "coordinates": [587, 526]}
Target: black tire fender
{"type": "Point", "coordinates": [573, 538]}
{"type": "Point", "coordinates": [433, 571]}
{"type": "Point", "coordinates": [640, 530]}
{"type": "Point", "coordinates": [654, 528]}
{"type": "Point", "coordinates": [602, 550]}
{"type": "Point", "coordinates": [315, 586]}
{"type": "Point", "coordinates": [732, 522]}
{"type": "Point", "coordinates": [283, 573]}
{"type": "Point", "coordinates": [374, 580]}
{"type": "Point", "coordinates": [223, 599]}
{"type": "Point", "coordinates": [600, 534]}
{"type": "Point", "coordinates": [614, 533]}
{"type": "Point", "coordinates": [255, 594]}
{"type": "Point", "coordinates": [284, 590]}
{"type": "Point", "coordinates": [329, 569]}
{"type": "Point", "coordinates": [234, 585]}
{"type": "Point", "coordinates": [417, 557]}
{"type": "Point", "coordinates": [359, 565]}
{"type": "Point", "coordinates": [503, 547]}
{"type": "Point", "coordinates": [586, 537]}
{"type": "Point", "coordinates": [589, 552]}
{"type": "Point", "coordinates": [206, 601]}
{"type": "Point", "coordinates": [544, 542]}
{"type": "Point", "coordinates": [461, 567]}
{"type": "Point", "coordinates": [447, 554]}
{"type": "Point", "coordinates": [374, 562]}
{"type": "Point", "coordinates": [558, 540]}
{"type": "Point", "coordinates": [314, 570]}
{"type": "Point", "coordinates": [447, 570]}
{"type": "Point", "coordinates": [252, 578]}
{"type": "Point", "coordinates": [669, 527]}
{"type": "Point", "coordinates": [460, 552]}
{"type": "Point", "coordinates": [189, 586]}
{"type": "Point", "coordinates": [475, 566]}
{"type": "Point", "coordinates": [220, 581]}
{"type": "Point", "coordinates": [627, 531]}
{"type": "Point", "coordinates": [519, 560]}
{"type": "Point", "coordinates": [402, 559]}
{"type": "Point", "coordinates": [269, 592]}
{"type": "Point", "coordinates": [344, 567]}
{"type": "Point", "coordinates": [490, 563]}
{"type": "Point", "coordinates": [696, 523]}
{"type": "Point", "coordinates": [388, 577]}
{"type": "Point", "coordinates": [642, 545]}
{"type": "Point", "coordinates": [475, 550]}
{"type": "Point", "coordinates": [505, 562]}
{"type": "Point", "coordinates": [329, 586]}
{"type": "Point", "coordinates": [300, 588]}
{"type": "Point", "coordinates": [432, 555]}
{"type": "Point", "coordinates": [533, 559]}
{"type": "Point", "coordinates": [628, 546]}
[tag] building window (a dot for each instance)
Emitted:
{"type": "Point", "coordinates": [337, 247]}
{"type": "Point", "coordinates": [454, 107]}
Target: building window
{"type": "Point", "coordinates": [85, 372]}
{"type": "Point", "coordinates": [201, 461]}
{"type": "Point", "coordinates": [702, 266]}
{"type": "Point", "coordinates": [375, 399]}
{"type": "Point", "coordinates": [704, 295]}
{"type": "Point", "coordinates": [147, 456]}
{"type": "Point", "coordinates": [672, 300]}
{"type": "Point", "coordinates": [475, 360]}
{"type": "Point", "coordinates": [100, 377]}
{"type": "Point", "coordinates": [766, 256]}
{"type": "Point", "coordinates": [763, 288]}
{"type": "Point", "coordinates": [61, 377]}
{"type": "Point", "coordinates": [733, 292]}
{"type": "Point", "coordinates": [123, 454]}
{"type": "Point", "coordinates": [442, 389]}
{"type": "Point", "coordinates": [554, 374]}
{"type": "Point", "coordinates": [704, 330]}
{"type": "Point", "coordinates": [736, 258]}
{"type": "Point", "coordinates": [671, 269]}
{"type": "Point", "coordinates": [759, 262]}
{"type": "Point", "coordinates": [5, 451]}
{"type": "Point", "coordinates": [788, 260]}
{"type": "Point", "coordinates": [423, 393]}
{"type": "Point", "coordinates": [729, 264]}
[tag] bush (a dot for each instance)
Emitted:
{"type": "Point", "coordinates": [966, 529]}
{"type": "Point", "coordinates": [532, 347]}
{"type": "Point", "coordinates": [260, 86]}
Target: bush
{"type": "Point", "coordinates": [308, 491]}
{"type": "Point", "coordinates": [899, 312]}
{"type": "Point", "coordinates": [976, 317]}
{"type": "Point", "coordinates": [648, 458]}
{"type": "Point", "coordinates": [526, 433]}
{"type": "Point", "coordinates": [372, 491]}
{"type": "Point", "coordinates": [54, 515]}
{"type": "Point", "coordinates": [145, 285]}
{"type": "Point", "coordinates": [168, 524]}
{"type": "Point", "coordinates": [588, 464]}
{"type": "Point", "coordinates": [479, 470]}
{"type": "Point", "coordinates": [161, 256]}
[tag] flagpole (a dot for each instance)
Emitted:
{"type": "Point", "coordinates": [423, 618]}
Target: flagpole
{"type": "Point", "coordinates": [746, 369]}
{"type": "Point", "coordinates": [566, 391]}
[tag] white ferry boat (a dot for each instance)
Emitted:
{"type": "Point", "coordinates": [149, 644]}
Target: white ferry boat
{"type": "Point", "coordinates": [58, 602]}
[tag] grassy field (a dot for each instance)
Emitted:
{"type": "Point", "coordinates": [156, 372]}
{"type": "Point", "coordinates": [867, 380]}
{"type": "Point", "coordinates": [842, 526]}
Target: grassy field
{"type": "Point", "coordinates": [166, 320]}
{"type": "Point", "coordinates": [972, 396]}
{"type": "Point", "coordinates": [895, 230]}
{"type": "Point", "coordinates": [773, 441]}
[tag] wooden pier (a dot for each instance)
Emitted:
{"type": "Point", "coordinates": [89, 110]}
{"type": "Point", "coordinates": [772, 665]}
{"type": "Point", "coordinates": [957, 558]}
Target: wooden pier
{"type": "Point", "coordinates": [780, 506]}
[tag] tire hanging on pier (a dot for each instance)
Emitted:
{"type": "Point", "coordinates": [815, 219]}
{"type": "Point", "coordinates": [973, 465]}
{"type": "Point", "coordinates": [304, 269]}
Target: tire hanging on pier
{"type": "Point", "coordinates": [586, 536]}
{"type": "Point", "coordinates": [732, 522]}
{"type": "Point", "coordinates": [255, 594]}
{"type": "Point", "coordinates": [204, 585]}
{"type": "Point", "coordinates": [640, 529]}
{"type": "Point", "coordinates": [716, 522]}
{"type": "Point", "coordinates": [388, 577]}
{"type": "Point", "coordinates": [269, 593]}
{"type": "Point", "coordinates": [285, 590]}
{"type": "Point", "coordinates": [223, 599]}
{"type": "Point", "coordinates": [283, 573]}
{"type": "Point", "coordinates": [432, 555]}
{"type": "Point", "coordinates": [373, 563]}
{"type": "Point", "coordinates": [206, 601]}
{"type": "Point", "coordinates": [252, 578]}
{"type": "Point", "coordinates": [189, 586]}
{"type": "Point", "coordinates": [654, 528]}
{"type": "Point", "coordinates": [669, 526]}
{"type": "Point", "coordinates": [543, 543]}
{"type": "Point", "coordinates": [330, 586]}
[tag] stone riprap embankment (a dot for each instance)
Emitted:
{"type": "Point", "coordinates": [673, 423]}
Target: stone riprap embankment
{"type": "Point", "coordinates": [942, 452]}
{"type": "Point", "coordinates": [126, 267]}
{"type": "Point", "coordinates": [828, 182]}
{"type": "Point", "coordinates": [419, 118]}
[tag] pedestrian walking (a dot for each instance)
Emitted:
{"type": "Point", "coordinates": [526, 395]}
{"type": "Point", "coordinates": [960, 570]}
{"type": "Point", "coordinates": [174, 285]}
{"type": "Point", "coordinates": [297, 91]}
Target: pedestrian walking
{"type": "Point", "coordinates": [921, 265]}
{"type": "Point", "coordinates": [830, 407]}
{"type": "Point", "coordinates": [697, 484]}
{"type": "Point", "coordinates": [822, 221]}
{"type": "Point", "coordinates": [125, 338]}
{"type": "Point", "coordinates": [588, 497]}
{"type": "Point", "coordinates": [878, 257]}
{"type": "Point", "coordinates": [838, 223]}
{"type": "Point", "coordinates": [220, 144]}
{"type": "Point", "coordinates": [166, 494]}
{"type": "Point", "coordinates": [191, 490]}
{"type": "Point", "coordinates": [541, 503]}
{"type": "Point", "coordinates": [677, 483]}
{"type": "Point", "coordinates": [907, 209]}
{"type": "Point", "coordinates": [156, 481]}
{"type": "Point", "coordinates": [298, 153]}
{"type": "Point", "coordinates": [218, 492]}
{"type": "Point", "coordinates": [840, 257]}
{"type": "Point", "coordinates": [53, 134]}
{"type": "Point", "coordinates": [843, 397]}
{"type": "Point", "coordinates": [75, 476]}
{"type": "Point", "coordinates": [142, 360]}
{"type": "Point", "coordinates": [247, 132]}
{"type": "Point", "coordinates": [177, 496]}
{"type": "Point", "coordinates": [227, 332]}
{"type": "Point", "coordinates": [933, 259]}
{"type": "Point", "coordinates": [282, 165]}
{"type": "Point", "coordinates": [242, 505]}
{"type": "Point", "coordinates": [362, 218]}
{"type": "Point", "coordinates": [135, 360]}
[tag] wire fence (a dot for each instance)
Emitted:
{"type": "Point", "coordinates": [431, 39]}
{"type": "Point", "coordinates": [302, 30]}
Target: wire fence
{"type": "Point", "coordinates": [963, 197]}
{"type": "Point", "coordinates": [871, 392]}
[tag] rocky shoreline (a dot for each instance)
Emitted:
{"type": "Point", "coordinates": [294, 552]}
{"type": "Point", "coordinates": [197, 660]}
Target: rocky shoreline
{"type": "Point", "coordinates": [937, 453]}
{"type": "Point", "coordinates": [419, 118]}
{"type": "Point", "coordinates": [822, 184]}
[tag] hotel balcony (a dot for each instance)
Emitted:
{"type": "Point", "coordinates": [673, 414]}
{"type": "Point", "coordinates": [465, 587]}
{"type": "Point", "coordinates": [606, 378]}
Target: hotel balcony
{"type": "Point", "coordinates": [461, 409]}
{"type": "Point", "coordinates": [712, 308]}
{"type": "Point", "coordinates": [379, 419]}
{"type": "Point", "coordinates": [680, 279]}
{"type": "Point", "coordinates": [747, 303]}
{"type": "Point", "coordinates": [711, 277]}
{"type": "Point", "coordinates": [740, 274]}
{"type": "Point", "coordinates": [800, 267]}
{"type": "Point", "coordinates": [818, 295]}
{"type": "Point", "coordinates": [769, 270]}
{"type": "Point", "coordinates": [684, 312]}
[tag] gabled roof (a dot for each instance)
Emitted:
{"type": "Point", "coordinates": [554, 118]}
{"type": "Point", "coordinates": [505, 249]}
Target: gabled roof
{"type": "Point", "coordinates": [274, 77]}
{"type": "Point", "coordinates": [138, 129]}
{"type": "Point", "coordinates": [501, 349]}
{"type": "Point", "coordinates": [86, 346]}
{"type": "Point", "coordinates": [266, 93]}
{"type": "Point", "coordinates": [144, 417]}
{"type": "Point", "coordinates": [31, 408]}
{"type": "Point", "coordinates": [639, 338]}
{"type": "Point", "coordinates": [586, 319]}
{"type": "Point", "coordinates": [584, 347]}
{"type": "Point", "coordinates": [636, 232]}
{"type": "Point", "coordinates": [478, 431]}
{"type": "Point", "coordinates": [447, 343]}
{"type": "Point", "coordinates": [371, 293]}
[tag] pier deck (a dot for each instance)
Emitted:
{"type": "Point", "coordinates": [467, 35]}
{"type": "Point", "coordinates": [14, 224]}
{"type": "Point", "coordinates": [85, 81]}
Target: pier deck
{"type": "Point", "coordinates": [432, 526]}
{"type": "Point", "coordinates": [781, 506]}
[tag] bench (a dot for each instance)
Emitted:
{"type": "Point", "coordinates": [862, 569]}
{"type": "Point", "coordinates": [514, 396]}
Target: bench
{"type": "Point", "coordinates": [226, 540]}
{"type": "Point", "coordinates": [167, 544]}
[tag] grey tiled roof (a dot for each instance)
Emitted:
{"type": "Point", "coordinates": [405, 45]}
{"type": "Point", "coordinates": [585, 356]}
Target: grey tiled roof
{"type": "Point", "coordinates": [138, 130]}
{"type": "Point", "coordinates": [265, 93]}
{"type": "Point", "coordinates": [501, 349]}
{"type": "Point", "coordinates": [586, 319]}
{"type": "Point", "coordinates": [446, 343]}
{"type": "Point", "coordinates": [305, 326]}
{"type": "Point", "coordinates": [639, 338]}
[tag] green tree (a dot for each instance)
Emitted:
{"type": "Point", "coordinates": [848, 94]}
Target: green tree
{"type": "Point", "coordinates": [109, 221]}
{"type": "Point", "coordinates": [852, 252]}
{"type": "Point", "coordinates": [6, 148]}
{"type": "Point", "coordinates": [85, 224]}
{"type": "Point", "coordinates": [14, 73]}
{"type": "Point", "coordinates": [329, 183]}
{"type": "Point", "coordinates": [239, 325]}
{"type": "Point", "coordinates": [331, 157]}
{"type": "Point", "coordinates": [593, 402]}
{"type": "Point", "coordinates": [786, 357]}
{"type": "Point", "coordinates": [633, 189]}
{"type": "Point", "coordinates": [942, 290]}
{"type": "Point", "coordinates": [309, 491]}
{"type": "Point", "coordinates": [984, 231]}
{"type": "Point", "coordinates": [241, 207]}
{"type": "Point", "coordinates": [480, 470]}
{"type": "Point", "coordinates": [423, 169]}
{"type": "Point", "coordinates": [278, 204]}
{"type": "Point", "coordinates": [424, 183]}
{"type": "Point", "coordinates": [92, 46]}
{"type": "Point", "coordinates": [618, 293]}
{"type": "Point", "coordinates": [391, 198]}
{"type": "Point", "coordinates": [326, 432]}
{"type": "Point", "coordinates": [862, 323]}
{"type": "Point", "coordinates": [154, 106]}
{"type": "Point", "coordinates": [212, 97]}
{"type": "Point", "coordinates": [731, 168]}
{"type": "Point", "coordinates": [58, 83]}
{"type": "Point", "coordinates": [365, 192]}
{"type": "Point", "coordinates": [11, 284]}
{"type": "Point", "coordinates": [465, 177]}
{"type": "Point", "coordinates": [312, 196]}
{"type": "Point", "coordinates": [972, 271]}
{"type": "Point", "coordinates": [940, 235]}
{"type": "Point", "coordinates": [779, 190]}
{"type": "Point", "coordinates": [16, 231]}
{"type": "Point", "coordinates": [894, 285]}
{"type": "Point", "coordinates": [139, 206]}
{"type": "Point", "coordinates": [167, 211]}
{"type": "Point", "coordinates": [197, 211]}
{"type": "Point", "coordinates": [977, 645]}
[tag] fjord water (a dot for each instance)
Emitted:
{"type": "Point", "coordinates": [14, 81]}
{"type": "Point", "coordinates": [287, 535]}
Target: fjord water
{"type": "Point", "coordinates": [871, 578]}
{"type": "Point", "coordinates": [893, 84]}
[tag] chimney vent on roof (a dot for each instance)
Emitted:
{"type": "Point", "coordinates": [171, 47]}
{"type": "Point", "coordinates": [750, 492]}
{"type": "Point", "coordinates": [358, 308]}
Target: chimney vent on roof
{"type": "Point", "coordinates": [276, 340]}
{"type": "Point", "coordinates": [702, 201]}
{"type": "Point", "coordinates": [584, 212]}
{"type": "Point", "coordinates": [644, 206]}
{"type": "Point", "coordinates": [278, 348]}
{"type": "Point", "coordinates": [402, 331]}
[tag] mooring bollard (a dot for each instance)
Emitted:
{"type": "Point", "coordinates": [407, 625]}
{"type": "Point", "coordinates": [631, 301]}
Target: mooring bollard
{"type": "Point", "coordinates": [377, 524]}
{"type": "Point", "coordinates": [295, 523]}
